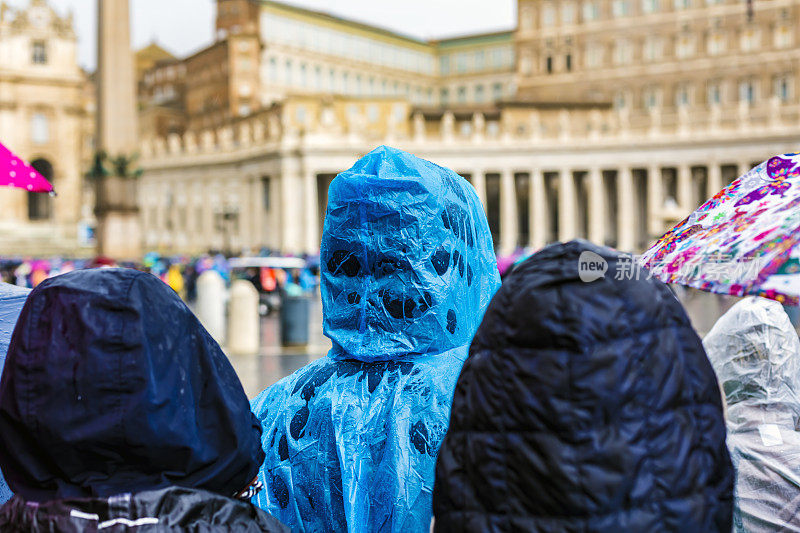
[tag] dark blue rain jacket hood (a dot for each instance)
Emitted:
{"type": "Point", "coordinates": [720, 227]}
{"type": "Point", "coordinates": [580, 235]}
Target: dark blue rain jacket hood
{"type": "Point", "coordinates": [408, 268]}
{"type": "Point", "coordinates": [112, 386]}
{"type": "Point", "coordinates": [585, 405]}
{"type": "Point", "coordinates": [12, 298]}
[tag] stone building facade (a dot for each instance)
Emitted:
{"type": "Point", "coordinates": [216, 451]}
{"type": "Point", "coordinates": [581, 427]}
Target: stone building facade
{"type": "Point", "coordinates": [544, 173]}
{"type": "Point", "coordinates": [310, 52]}
{"type": "Point", "coordinates": [673, 56]}
{"type": "Point", "coordinates": [161, 91]}
{"type": "Point", "coordinates": [46, 117]}
{"type": "Point", "coordinates": [581, 149]}
{"type": "Point", "coordinates": [265, 51]}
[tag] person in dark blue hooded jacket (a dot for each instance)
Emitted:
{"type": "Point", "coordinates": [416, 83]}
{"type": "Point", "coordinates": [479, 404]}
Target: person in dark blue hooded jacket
{"type": "Point", "coordinates": [12, 298]}
{"type": "Point", "coordinates": [408, 268]}
{"type": "Point", "coordinates": [587, 404]}
{"type": "Point", "coordinates": [118, 409]}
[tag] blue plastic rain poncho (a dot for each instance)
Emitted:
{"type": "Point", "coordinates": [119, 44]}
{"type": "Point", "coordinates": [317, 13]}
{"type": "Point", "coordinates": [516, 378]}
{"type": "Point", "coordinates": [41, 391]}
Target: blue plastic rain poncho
{"type": "Point", "coordinates": [756, 354]}
{"type": "Point", "coordinates": [12, 298]}
{"type": "Point", "coordinates": [407, 270]}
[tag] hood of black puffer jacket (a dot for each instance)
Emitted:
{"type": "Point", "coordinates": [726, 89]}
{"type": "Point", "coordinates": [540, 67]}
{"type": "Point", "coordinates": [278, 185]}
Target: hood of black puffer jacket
{"type": "Point", "coordinates": [111, 385]}
{"type": "Point", "coordinates": [408, 265]}
{"type": "Point", "coordinates": [587, 403]}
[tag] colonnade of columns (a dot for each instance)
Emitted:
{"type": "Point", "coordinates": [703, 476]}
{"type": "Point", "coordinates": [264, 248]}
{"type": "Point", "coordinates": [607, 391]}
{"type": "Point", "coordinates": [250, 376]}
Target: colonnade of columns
{"type": "Point", "coordinates": [626, 206]}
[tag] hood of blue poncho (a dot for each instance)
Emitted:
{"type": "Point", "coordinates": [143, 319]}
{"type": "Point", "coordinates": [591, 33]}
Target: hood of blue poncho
{"type": "Point", "coordinates": [407, 259]}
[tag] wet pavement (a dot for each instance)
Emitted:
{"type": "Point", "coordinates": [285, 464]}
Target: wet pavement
{"type": "Point", "coordinates": [275, 361]}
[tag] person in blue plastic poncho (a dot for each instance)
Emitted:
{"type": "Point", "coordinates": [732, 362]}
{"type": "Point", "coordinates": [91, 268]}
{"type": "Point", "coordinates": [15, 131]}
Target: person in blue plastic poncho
{"type": "Point", "coordinates": [407, 270]}
{"type": "Point", "coordinates": [12, 298]}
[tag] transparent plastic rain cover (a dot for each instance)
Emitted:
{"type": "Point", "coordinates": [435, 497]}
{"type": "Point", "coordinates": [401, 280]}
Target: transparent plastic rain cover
{"type": "Point", "coordinates": [755, 352]}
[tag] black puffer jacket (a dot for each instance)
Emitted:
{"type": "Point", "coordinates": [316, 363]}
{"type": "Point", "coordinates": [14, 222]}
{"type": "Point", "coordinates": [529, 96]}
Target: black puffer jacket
{"type": "Point", "coordinates": [584, 406]}
{"type": "Point", "coordinates": [173, 510]}
{"type": "Point", "coordinates": [112, 391]}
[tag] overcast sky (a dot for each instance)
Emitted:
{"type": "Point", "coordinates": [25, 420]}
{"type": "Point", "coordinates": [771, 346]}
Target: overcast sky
{"type": "Point", "coordinates": [183, 26]}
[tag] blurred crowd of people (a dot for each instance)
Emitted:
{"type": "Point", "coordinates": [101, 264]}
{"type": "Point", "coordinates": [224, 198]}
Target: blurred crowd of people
{"type": "Point", "coordinates": [179, 272]}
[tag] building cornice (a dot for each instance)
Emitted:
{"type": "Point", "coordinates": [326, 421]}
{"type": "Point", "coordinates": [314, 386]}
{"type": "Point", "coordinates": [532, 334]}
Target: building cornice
{"type": "Point", "coordinates": [17, 78]}
{"type": "Point", "coordinates": [477, 39]}
{"type": "Point", "coordinates": [661, 19]}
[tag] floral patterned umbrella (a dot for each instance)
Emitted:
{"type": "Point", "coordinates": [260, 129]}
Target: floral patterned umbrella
{"type": "Point", "coordinates": [743, 241]}
{"type": "Point", "coordinates": [15, 172]}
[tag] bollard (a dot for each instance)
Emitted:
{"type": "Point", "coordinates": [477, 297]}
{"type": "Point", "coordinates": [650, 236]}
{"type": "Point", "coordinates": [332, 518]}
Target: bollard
{"type": "Point", "coordinates": [211, 303]}
{"type": "Point", "coordinates": [243, 319]}
{"type": "Point", "coordinates": [295, 316]}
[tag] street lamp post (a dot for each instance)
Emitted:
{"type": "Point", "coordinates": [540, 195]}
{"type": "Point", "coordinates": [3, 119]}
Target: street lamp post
{"type": "Point", "coordinates": [227, 220]}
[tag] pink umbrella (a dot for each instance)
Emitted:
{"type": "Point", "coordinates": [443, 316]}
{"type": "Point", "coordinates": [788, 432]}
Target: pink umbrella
{"type": "Point", "coordinates": [15, 172]}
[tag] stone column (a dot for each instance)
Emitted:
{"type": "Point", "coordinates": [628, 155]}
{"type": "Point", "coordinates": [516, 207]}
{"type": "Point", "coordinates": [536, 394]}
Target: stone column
{"type": "Point", "coordinates": [419, 127]}
{"type": "Point", "coordinates": [774, 112]}
{"type": "Point", "coordinates": [714, 183]}
{"type": "Point", "coordinates": [448, 127]}
{"type": "Point", "coordinates": [291, 208]}
{"type": "Point", "coordinates": [563, 125]}
{"type": "Point", "coordinates": [116, 87]}
{"type": "Point", "coordinates": [209, 204]}
{"type": "Point", "coordinates": [597, 207]}
{"type": "Point", "coordinates": [743, 116]}
{"type": "Point", "coordinates": [685, 188]}
{"type": "Point", "coordinates": [119, 232]}
{"type": "Point", "coordinates": [538, 218]}
{"type": "Point", "coordinates": [626, 218]}
{"type": "Point", "coordinates": [566, 205]}
{"type": "Point", "coordinates": [742, 167]}
{"type": "Point", "coordinates": [535, 125]}
{"type": "Point", "coordinates": [655, 200]}
{"type": "Point", "coordinates": [508, 213]}
{"type": "Point", "coordinates": [478, 127]}
{"type": "Point", "coordinates": [311, 213]}
{"type": "Point", "coordinates": [257, 214]}
{"type": "Point", "coordinates": [479, 182]}
{"type": "Point", "coordinates": [684, 121]}
{"type": "Point", "coordinates": [655, 122]}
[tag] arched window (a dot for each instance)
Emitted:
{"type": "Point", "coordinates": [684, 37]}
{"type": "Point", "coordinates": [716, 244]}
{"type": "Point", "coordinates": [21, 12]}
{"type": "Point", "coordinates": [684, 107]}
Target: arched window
{"type": "Point", "coordinates": [40, 206]}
